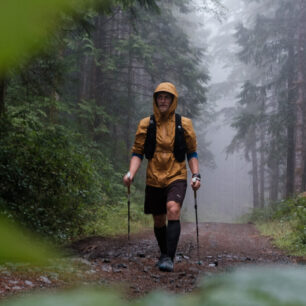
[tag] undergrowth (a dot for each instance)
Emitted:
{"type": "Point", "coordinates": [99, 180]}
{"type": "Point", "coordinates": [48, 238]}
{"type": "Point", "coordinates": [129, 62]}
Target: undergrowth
{"type": "Point", "coordinates": [113, 220]}
{"type": "Point", "coordinates": [285, 221]}
{"type": "Point", "coordinates": [282, 234]}
{"type": "Point", "coordinates": [58, 184]}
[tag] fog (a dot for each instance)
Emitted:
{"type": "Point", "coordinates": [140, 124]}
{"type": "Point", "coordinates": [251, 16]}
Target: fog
{"type": "Point", "coordinates": [226, 191]}
{"type": "Point", "coordinates": [238, 66]}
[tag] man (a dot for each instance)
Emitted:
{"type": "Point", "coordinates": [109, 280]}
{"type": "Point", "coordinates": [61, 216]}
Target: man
{"type": "Point", "coordinates": [165, 140]}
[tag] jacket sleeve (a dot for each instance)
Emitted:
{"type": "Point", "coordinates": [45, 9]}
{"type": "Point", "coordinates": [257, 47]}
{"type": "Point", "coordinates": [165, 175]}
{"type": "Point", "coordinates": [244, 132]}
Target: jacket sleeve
{"type": "Point", "coordinates": [190, 136]}
{"type": "Point", "coordinates": [140, 137]}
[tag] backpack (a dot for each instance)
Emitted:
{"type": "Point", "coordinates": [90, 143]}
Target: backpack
{"type": "Point", "coordinates": [180, 147]}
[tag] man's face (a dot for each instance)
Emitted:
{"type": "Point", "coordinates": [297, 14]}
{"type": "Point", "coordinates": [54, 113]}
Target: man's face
{"type": "Point", "coordinates": [163, 101]}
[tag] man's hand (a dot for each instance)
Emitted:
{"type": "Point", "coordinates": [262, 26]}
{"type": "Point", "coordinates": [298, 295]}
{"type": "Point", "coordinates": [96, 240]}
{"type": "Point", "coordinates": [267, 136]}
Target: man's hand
{"type": "Point", "coordinates": [195, 183]}
{"type": "Point", "coordinates": [128, 179]}
{"type": "Point", "coordinates": [134, 166]}
{"type": "Point", "coordinates": [196, 177]}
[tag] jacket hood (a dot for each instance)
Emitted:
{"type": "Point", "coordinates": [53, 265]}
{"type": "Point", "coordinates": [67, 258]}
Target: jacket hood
{"type": "Point", "coordinates": [170, 88]}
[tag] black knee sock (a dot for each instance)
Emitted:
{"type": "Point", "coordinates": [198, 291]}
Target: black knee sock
{"type": "Point", "coordinates": [161, 237]}
{"type": "Point", "coordinates": [173, 235]}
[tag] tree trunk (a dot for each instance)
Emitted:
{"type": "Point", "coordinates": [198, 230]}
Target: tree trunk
{"type": "Point", "coordinates": [274, 180]}
{"type": "Point", "coordinates": [262, 171]}
{"type": "Point", "coordinates": [254, 170]}
{"type": "Point", "coordinates": [290, 125]}
{"type": "Point", "coordinates": [129, 99]}
{"type": "Point", "coordinates": [262, 153]}
{"type": "Point", "coordinates": [53, 111]}
{"type": "Point", "coordinates": [303, 85]}
{"type": "Point", "coordinates": [299, 125]}
{"type": "Point", "coordinates": [84, 79]}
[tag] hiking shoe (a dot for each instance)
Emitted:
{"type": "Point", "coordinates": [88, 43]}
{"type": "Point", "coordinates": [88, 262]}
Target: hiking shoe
{"type": "Point", "coordinates": [166, 264]}
{"type": "Point", "coordinates": [160, 260]}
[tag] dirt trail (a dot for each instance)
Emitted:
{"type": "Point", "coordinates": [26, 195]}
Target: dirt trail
{"type": "Point", "coordinates": [222, 247]}
{"type": "Point", "coordinates": [108, 261]}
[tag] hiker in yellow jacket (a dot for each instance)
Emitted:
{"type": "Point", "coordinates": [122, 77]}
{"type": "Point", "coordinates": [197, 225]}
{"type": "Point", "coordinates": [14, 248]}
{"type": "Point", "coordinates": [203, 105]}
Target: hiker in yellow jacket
{"type": "Point", "coordinates": [165, 139]}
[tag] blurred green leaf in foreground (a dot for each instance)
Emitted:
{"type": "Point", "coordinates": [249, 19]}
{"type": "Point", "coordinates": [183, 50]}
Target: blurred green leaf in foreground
{"type": "Point", "coordinates": [23, 26]}
{"type": "Point", "coordinates": [254, 286]}
{"type": "Point", "coordinates": [265, 286]}
{"type": "Point", "coordinates": [19, 246]}
{"type": "Point", "coordinates": [26, 25]}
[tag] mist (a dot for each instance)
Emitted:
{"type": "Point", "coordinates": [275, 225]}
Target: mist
{"type": "Point", "coordinates": [256, 62]}
{"type": "Point", "coordinates": [238, 66]}
{"type": "Point", "coordinates": [226, 190]}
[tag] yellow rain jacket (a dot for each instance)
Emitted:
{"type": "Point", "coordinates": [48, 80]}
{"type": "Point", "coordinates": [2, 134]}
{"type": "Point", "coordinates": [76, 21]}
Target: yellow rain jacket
{"type": "Point", "coordinates": [163, 168]}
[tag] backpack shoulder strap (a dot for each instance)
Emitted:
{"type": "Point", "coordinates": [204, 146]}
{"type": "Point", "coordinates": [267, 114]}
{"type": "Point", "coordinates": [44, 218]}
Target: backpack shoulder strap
{"type": "Point", "coordinates": [178, 120]}
{"type": "Point", "coordinates": [180, 147]}
{"type": "Point", "coordinates": [150, 142]}
{"type": "Point", "coordinates": [152, 119]}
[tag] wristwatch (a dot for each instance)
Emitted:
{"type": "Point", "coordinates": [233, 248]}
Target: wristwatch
{"type": "Point", "coordinates": [196, 177]}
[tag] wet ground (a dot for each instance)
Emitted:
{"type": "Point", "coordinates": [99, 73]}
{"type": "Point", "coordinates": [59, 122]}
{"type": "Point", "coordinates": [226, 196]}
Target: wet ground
{"type": "Point", "coordinates": [221, 247]}
{"type": "Point", "coordinates": [108, 261]}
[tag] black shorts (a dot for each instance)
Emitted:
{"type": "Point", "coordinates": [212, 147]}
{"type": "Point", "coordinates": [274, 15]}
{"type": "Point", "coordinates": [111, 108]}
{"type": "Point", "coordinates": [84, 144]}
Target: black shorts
{"type": "Point", "coordinates": [156, 198]}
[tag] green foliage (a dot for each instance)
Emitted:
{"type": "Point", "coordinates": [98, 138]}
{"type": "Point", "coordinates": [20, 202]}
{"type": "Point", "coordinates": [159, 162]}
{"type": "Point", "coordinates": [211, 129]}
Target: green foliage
{"type": "Point", "coordinates": [256, 286]}
{"type": "Point", "coordinates": [173, 58]}
{"type": "Point", "coordinates": [28, 25]}
{"type": "Point", "coordinates": [47, 181]}
{"type": "Point", "coordinates": [247, 119]}
{"type": "Point", "coordinates": [112, 220]}
{"type": "Point", "coordinates": [72, 111]}
{"type": "Point", "coordinates": [148, 4]}
{"type": "Point", "coordinates": [268, 44]}
{"type": "Point", "coordinates": [164, 54]}
{"type": "Point", "coordinates": [282, 234]}
{"type": "Point", "coordinates": [292, 214]}
{"type": "Point", "coordinates": [294, 211]}
{"type": "Point", "coordinates": [19, 246]}
{"type": "Point", "coordinates": [78, 297]}
{"type": "Point", "coordinates": [58, 183]}
{"type": "Point", "coordinates": [282, 286]}
{"type": "Point", "coordinates": [88, 112]}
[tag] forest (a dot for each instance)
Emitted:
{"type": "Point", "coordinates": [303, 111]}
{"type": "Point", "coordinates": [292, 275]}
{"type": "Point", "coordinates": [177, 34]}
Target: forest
{"type": "Point", "coordinates": [76, 77]}
{"type": "Point", "coordinates": [269, 116]}
{"type": "Point", "coordinates": [270, 120]}
{"type": "Point", "coordinates": [69, 114]}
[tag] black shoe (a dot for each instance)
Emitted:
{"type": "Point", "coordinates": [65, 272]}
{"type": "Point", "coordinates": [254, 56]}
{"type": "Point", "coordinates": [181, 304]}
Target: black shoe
{"type": "Point", "coordinates": [160, 260]}
{"type": "Point", "coordinates": [166, 264]}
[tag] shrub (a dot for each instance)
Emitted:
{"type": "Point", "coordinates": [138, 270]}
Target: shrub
{"type": "Point", "coordinates": [47, 180]}
{"type": "Point", "coordinates": [291, 212]}
{"type": "Point", "coordinates": [294, 210]}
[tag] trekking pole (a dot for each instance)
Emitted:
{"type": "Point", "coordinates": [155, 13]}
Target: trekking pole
{"type": "Point", "coordinates": [197, 223]}
{"type": "Point", "coordinates": [129, 215]}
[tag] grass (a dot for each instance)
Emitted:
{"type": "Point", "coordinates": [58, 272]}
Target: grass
{"type": "Point", "coordinates": [283, 236]}
{"type": "Point", "coordinates": [113, 220]}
